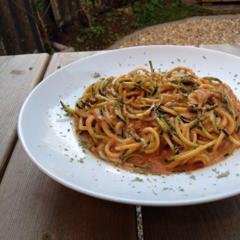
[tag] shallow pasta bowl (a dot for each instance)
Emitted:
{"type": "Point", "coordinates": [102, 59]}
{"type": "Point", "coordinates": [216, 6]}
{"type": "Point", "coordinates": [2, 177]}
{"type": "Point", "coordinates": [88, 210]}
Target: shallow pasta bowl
{"type": "Point", "coordinates": [48, 138]}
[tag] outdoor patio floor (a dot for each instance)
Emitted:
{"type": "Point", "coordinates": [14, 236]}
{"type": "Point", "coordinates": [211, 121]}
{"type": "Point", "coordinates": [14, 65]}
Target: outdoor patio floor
{"type": "Point", "coordinates": [191, 31]}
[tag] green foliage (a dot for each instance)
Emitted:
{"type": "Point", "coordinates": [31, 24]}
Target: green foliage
{"type": "Point", "coordinates": [94, 32]}
{"type": "Point", "coordinates": [105, 27]}
{"type": "Point", "coordinates": [40, 5]}
{"type": "Point", "coordinates": [150, 12]}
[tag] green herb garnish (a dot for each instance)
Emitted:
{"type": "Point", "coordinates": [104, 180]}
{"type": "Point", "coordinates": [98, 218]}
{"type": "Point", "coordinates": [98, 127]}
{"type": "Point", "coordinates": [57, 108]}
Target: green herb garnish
{"type": "Point", "coordinates": [96, 75]}
{"type": "Point", "coordinates": [137, 179]}
{"type": "Point", "coordinates": [151, 66]}
{"type": "Point", "coordinates": [224, 174]}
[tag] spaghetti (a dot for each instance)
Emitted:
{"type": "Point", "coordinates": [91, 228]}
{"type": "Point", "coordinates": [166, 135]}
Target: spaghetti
{"type": "Point", "coordinates": [155, 122]}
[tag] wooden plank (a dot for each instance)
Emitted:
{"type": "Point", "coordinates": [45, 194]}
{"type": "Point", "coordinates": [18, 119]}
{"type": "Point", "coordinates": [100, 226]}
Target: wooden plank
{"type": "Point", "coordinates": [32, 206]}
{"type": "Point", "coordinates": [61, 59]}
{"type": "Point", "coordinates": [219, 220]}
{"type": "Point", "coordinates": [18, 75]}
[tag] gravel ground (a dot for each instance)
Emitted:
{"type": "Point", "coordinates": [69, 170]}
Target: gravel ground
{"type": "Point", "coordinates": [191, 31]}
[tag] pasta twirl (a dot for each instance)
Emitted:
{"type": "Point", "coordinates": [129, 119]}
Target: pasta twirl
{"type": "Point", "coordinates": [157, 122]}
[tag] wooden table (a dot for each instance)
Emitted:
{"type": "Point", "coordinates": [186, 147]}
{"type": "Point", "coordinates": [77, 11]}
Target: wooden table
{"type": "Point", "coordinates": [33, 206]}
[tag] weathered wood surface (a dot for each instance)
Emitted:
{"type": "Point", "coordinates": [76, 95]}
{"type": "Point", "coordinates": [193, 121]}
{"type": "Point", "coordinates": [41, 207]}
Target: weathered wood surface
{"type": "Point", "coordinates": [61, 59]}
{"type": "Point", "coordinates": [18, 74]}
{"type": "Point", "coordinates": [33, 206]}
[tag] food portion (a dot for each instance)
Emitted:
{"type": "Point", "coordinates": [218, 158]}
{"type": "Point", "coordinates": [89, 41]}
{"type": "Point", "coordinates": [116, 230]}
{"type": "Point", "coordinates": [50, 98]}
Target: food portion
{"type": "Point", "coordinates": [155, 122]}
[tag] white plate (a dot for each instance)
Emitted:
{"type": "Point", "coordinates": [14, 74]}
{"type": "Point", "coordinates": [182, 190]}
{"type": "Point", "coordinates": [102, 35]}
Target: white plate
{"type": "Point", "coordinates": [48, 137]}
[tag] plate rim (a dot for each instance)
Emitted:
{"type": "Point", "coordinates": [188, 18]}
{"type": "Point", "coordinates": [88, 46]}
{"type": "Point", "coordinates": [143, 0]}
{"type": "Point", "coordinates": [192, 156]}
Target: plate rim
{"type": "Point", "coordinates": [108, 197]}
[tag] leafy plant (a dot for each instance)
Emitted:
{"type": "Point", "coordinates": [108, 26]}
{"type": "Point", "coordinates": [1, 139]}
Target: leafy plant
{"type": "Point", "coordinates": [150, 12]}
{"type": "Point", "coordinates": [40, 5]}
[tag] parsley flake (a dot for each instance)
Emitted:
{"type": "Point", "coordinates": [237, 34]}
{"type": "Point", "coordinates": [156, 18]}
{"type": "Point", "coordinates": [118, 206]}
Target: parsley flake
{"type": "Point", "coordinates": [224, 174]}
{"type": "Point", "coordinates": [137, 179]}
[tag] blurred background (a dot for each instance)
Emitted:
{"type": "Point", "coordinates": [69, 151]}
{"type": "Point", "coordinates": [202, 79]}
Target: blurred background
{"type": "Point", "coordinates": [31, 26]}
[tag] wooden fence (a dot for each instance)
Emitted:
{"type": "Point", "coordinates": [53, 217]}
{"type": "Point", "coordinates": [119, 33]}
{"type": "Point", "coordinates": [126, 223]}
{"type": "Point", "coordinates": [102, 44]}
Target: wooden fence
{"type": "Point", "coordinates": [66, 11]}
{"type": "Point", "coordinates": [23, 28]}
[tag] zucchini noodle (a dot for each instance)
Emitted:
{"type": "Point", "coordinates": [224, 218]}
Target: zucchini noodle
{"type": "Point", "coordinates": [156, 122]}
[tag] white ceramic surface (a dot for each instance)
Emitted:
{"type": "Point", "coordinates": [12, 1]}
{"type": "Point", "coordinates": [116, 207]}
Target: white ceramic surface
{"type": "Point", "coordinates": [48, 137]}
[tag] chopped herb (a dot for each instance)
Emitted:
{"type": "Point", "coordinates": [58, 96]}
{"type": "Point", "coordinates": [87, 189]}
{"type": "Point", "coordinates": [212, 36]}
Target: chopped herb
{"type": "Point", "coordinates": [238, 127]}
{"type": "Point", "coordinates": [212, 107]}
{"type": "Point", "coordinates": [224, 174]}
{"type": "Point", "coordinates": [179, 85]}
{"type": "Point", "coordinates": [85, 104]}
{"type": "Point", "coordinates": [225, 132]}
{"type": "Point", "coordinates": [137, 179]}
{"type": "Point", "coordinates": [184, 119]}
{"type": "Point", "coordinates": [101, 112]}
{"type": "Point", "coordinates": [78, 106]}
{"type": "Point", "coordinates": [96, 75]}
{"type": "Point", "coordinates": [176, 149]}
{"type": "Point", "coordinates": [193, 177]}
{"type": "Point", "coordinates": [101, 93]}
{"type": "Point", "coordinates": [155, 90]}
{"type": "Point", "coordinates": [215, 170]}
{"type": "Point", "coordinates": [213, 79]}
{"type": "Point", "coordinates": [159, 111]}
{"type": "Point", "coordinates": [66, 108]}
{"type": "Point", "coordinates": [168, 160]}
{"type": "Point", "coordinates": [123, 133]}
{"type": "Point", "coordinates": [227, 104]}
{"type": "Point", "coordinates": [151, 66]}
{"type": "Point", "coordinates": [139, 86]}
{"type": "Point", "coordinates": [184, 94]}
{"type": "Point", "coordinates": [181, 189]}
{"type": "Point", "coordinates": [136, 138]}
{"type": "Point", "coordinates": [166, 189]}
{"type": "Point", "coordinates": [111, 128]}
{"type": "Point", "coordinates": [194, 87]}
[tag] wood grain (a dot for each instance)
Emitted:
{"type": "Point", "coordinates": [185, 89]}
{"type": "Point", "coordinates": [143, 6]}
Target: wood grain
{"type": "Point", "coordinates": [219, 220]}
{"type": "Point", "coordinates": [18, 75]}
{"type": "Point", "coordinates": [61, 59]}
{"type": "Point", "coordinates": [32, 206]}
